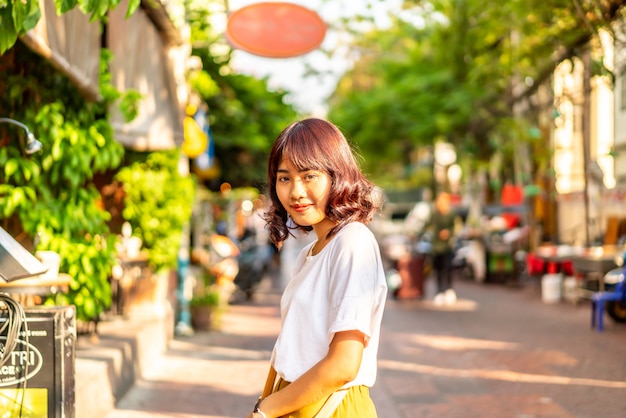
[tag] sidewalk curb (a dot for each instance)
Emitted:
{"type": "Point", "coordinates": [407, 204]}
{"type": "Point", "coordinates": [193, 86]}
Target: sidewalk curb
{"type": "Point", "coordinates": [109, 363]}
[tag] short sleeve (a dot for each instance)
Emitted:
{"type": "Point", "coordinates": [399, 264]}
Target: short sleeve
{"type": "Point", "coordinates": [356, 281]}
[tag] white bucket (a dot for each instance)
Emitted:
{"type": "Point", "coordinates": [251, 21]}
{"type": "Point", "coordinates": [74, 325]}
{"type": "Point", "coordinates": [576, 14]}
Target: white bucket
{"type": "Point", "coordinates": [551, 288]}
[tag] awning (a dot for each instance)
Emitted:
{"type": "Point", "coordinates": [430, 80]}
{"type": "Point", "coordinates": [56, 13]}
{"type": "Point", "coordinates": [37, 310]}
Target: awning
{"type": "Point", "coordinates": [71, 43]}
{"type": "Point", "coordinates": [149, 57]}
{"type": "Point", "coordinates": [141, 62]}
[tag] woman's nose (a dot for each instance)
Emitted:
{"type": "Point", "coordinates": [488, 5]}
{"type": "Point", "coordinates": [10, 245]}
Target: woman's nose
{"type": "Point", "coordinates": [298, 190]}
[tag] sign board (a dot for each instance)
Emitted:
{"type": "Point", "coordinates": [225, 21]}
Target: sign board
{"type": "Point", "coordinates": [275, 30]}
{"type": "Point", "coordinates": [37, 379]}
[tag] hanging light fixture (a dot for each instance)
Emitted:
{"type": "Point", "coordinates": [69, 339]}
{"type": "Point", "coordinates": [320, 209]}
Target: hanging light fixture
{"type": "Point", "coordinates": [32, 144]}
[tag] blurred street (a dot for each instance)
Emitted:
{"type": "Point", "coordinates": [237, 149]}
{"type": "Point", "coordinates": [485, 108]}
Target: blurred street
{"type": "Point", "coordinates": [499, 352]}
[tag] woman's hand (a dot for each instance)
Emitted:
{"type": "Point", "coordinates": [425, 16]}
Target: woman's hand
{"type": "Point", "coordinates": [340, 366]}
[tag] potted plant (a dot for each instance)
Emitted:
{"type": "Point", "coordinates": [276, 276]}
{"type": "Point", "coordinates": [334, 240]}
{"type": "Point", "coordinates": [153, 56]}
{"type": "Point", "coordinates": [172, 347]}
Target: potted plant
{"type": "Point", "coordinates": [204, 308]}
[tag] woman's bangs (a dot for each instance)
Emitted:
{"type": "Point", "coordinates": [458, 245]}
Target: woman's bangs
{"type": "Point", "coordinates": [303, 154]}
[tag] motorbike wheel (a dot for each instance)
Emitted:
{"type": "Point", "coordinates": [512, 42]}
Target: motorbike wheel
{"type": "Point", "coordinates": [617, 310]}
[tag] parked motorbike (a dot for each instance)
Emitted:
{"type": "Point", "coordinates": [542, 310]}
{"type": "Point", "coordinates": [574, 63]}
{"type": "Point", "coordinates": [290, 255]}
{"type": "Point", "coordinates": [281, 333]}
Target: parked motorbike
{"type": "Point", "coordinates": [254, 261]}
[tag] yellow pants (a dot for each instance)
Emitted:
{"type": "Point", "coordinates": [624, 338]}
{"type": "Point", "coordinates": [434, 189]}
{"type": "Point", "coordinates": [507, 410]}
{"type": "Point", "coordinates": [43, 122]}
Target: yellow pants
{"type": "Point", "coordinates": [356, 404]}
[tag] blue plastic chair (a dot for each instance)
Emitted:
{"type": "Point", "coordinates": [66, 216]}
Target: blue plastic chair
{"type": "Point", "coordinates": [598, 299]}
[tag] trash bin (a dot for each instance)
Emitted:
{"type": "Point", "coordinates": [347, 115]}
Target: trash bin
{"type": "Point", "coordinates": [411, 270]}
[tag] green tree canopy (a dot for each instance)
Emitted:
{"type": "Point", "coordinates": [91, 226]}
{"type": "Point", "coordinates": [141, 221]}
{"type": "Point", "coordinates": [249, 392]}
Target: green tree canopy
{"type": "Point", "coordinates": [453, 70]}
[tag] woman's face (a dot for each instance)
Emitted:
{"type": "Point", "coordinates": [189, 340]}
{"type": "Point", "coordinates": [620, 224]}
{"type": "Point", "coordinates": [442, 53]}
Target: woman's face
{"type": "Point", "coordinates": [304, 194]}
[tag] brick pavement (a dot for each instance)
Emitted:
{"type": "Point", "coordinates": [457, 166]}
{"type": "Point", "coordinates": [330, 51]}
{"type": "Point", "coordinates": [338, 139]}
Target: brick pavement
{"type": "Point", "coordinates": [499, 352]}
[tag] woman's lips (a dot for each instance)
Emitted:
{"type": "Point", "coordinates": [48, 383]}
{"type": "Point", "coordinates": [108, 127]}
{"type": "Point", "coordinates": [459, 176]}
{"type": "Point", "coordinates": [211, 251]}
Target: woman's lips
{"type": "Point", "coordinates": [300, 208]}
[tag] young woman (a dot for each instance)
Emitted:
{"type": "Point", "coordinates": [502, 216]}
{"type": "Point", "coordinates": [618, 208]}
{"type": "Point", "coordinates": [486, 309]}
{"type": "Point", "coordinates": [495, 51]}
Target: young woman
{"type": "Point", "coordinates": [332, 306]}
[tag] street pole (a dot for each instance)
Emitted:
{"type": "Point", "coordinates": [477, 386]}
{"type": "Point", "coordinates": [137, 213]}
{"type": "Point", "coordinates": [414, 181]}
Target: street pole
{"type": "Point", "coordinates": [185, 287]}
{"type": "Point", "coordinates": [586, 133]}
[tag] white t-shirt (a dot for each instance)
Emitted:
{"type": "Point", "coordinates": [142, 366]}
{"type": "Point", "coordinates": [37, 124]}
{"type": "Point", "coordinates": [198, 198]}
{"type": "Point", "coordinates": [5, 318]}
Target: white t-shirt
{"type": "Point", "coordinates": [342, 288]}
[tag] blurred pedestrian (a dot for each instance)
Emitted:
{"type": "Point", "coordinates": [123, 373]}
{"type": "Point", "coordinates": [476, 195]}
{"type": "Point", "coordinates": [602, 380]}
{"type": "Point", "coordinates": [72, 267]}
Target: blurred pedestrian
{"type": "Point", "coordinates": [442, 224]}
{"type": "Point", "coordinates": [332, 307]}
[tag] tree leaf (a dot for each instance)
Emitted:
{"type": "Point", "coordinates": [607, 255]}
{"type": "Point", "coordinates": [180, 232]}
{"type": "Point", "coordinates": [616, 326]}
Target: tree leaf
{"type": "Point", "coordinates": [33, 15]}
{"type": "Point", "coordinates": [8, 35]}
{"type": "Point", "coordinates": [10, 168]}
{"type": "Point", "coordinates": [64, 6]}
{"type": "Point", "coordinates": [132, 7]}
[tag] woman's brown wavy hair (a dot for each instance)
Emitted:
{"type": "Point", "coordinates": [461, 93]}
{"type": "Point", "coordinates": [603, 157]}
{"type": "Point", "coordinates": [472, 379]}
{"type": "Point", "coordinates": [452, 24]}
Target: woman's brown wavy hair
{"type": "Point", "coordinates": [316, 144]}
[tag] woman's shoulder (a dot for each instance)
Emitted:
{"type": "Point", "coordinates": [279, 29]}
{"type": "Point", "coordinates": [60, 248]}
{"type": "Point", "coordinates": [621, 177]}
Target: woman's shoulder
{"type": "Point", "coordinates": [355, 230]}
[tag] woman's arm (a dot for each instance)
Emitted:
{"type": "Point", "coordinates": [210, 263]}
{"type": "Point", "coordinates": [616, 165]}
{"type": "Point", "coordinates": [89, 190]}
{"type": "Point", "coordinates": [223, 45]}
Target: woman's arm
{"type": "Point", "coordinates": [339, 367]}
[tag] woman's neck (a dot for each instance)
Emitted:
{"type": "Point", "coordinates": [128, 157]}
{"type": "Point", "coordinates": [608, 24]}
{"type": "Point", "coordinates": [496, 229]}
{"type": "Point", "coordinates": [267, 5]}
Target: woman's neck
{"type": "Point", "coordinates": [321, 230]}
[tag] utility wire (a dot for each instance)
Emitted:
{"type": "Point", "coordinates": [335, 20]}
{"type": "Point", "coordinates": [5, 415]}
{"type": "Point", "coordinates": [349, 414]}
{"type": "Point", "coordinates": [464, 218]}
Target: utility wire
{"type": "Point", "coordinates": [13, 320]}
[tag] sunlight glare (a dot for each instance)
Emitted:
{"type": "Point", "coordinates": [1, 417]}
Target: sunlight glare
{"type": "Point", "coordinates": [449, 343]}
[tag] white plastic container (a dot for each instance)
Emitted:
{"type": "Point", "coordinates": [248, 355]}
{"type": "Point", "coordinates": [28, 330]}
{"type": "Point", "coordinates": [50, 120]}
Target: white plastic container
{"type": "Point", "coordinates": [52, 261]}
{"type": "Point", "coordinates": [551, 288]}
{"type": "Point", "coordinates": [570, 289]}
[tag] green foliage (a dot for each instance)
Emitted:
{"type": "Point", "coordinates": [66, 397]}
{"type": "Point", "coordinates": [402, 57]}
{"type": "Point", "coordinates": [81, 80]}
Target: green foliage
{"type": "Point", "coordinates": [19, 16]}
{"type": "Point", "coordinates": [454, 70]}
{"type": "Point", "coordinates": [245, 118]}
{"type": "Point", "coordinates": [52, 192]}
{"type": "Point", "coordinates": [402, 96]}
{"type": "Point", "coordinates": [204, 85]}
{"type": "Point", "coordinates": [206, 293]}
{"type": "Point", "coordinates": [209, 298]}
{"type": "Point", "coordinates": [158, 203]}
{"type": "Point", "coordinates": [127, 101]}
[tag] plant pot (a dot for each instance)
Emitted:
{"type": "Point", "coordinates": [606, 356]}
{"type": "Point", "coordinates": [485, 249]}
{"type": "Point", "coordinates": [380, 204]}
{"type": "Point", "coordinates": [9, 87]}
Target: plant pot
{"type": "Point", "coordinates": [201, 317]}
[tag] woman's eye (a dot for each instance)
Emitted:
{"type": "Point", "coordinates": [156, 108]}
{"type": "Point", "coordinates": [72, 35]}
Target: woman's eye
{"type": "Point", "coordinates": [283, 179]}
{"type": "Point", "coordinates": [310, 176]}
